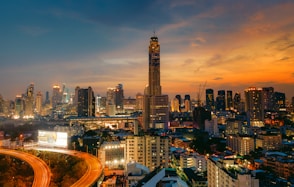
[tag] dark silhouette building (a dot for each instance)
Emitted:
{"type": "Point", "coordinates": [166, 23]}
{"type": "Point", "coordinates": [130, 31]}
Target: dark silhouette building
{"type": "Point", "coordinates": [86, 102]}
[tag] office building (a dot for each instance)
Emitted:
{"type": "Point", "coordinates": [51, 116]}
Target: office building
{"type": "Point", "coordinates": [39, 102]}
{"type": "Point", "coordinates": [279, 101]}
{"type": "Point", "coordinates": [209, 99]}
{"type": "Point", "coordinates": [86, 102]}
{"type": "Point", "coordinates": [268, 98]}
{"type": "Point", "coordinates": [156, 109]}
{"type": "Point", "coordinates": [119, 98]}
{"type": "Point", "coordinates": [56, 96]}
{"type": "Point", "coordinates": [229, 100]}
{"type": "Point", "coordinates": [221, 100]}
{"type": "Point", "coordinates": [19, 107]}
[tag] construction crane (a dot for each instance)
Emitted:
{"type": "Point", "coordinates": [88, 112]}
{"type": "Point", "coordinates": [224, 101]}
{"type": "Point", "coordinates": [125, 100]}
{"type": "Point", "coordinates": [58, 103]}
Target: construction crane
{"type": "Point", "coordinates": [200, 92]}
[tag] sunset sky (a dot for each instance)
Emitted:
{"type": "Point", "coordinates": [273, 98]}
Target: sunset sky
{"type": "Point", "coordinates": [226, 44]}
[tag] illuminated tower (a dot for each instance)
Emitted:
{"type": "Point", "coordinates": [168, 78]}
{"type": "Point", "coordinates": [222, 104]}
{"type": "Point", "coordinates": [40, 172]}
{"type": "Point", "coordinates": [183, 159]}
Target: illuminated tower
{"type": "Point", "coordinates": [155, 112]}
{"type": "Point", "coordinates": [154, 87]}
{"type": "Point", "coordinates": [254, 104]}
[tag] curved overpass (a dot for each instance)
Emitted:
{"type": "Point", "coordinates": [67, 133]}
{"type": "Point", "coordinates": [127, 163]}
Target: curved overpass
{"type": "Point", "coordinates": [42, 173]}
{"type": "Point", "coordinates": [94, 167]}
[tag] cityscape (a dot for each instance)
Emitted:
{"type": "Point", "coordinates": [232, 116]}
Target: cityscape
{"type": "Point", "coordinates": [219, 119]}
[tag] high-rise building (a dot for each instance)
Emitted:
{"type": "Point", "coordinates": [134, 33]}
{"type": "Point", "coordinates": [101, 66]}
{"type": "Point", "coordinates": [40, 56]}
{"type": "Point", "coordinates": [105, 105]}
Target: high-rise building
{"type": "Point", "coordinates": [156, 110]}
{"type": "Point", "coordinates": [268, 98]}
{"type": "Point", "coordinates": [175, 105]}
{"type": "Point", "coordinates": [279, 101]}
{"type": "Point", "coordinates": [221, 100]}
{"type": "Point", "coordinates": [39, 102]}
{"type": "Point", "coordinates": [47, 98]}
{"type": "Point", "coordinates": [229, 100]}
{"type": "Point", "coordinates": [29, 101]}
{"type": "Point", "coordinates": [237, 102]}
{"type": "Point", "coordinates": [254, 104]}
{"type": "Point", "coordinates": [209, 100]}
{"type": "Point", "coordinates": [139, 101]}
{"type": "Point", "coordinates": [56, 96]}
{"type": "Point", "coordinates": [180, 101]}
{"type": "Point", "coordinates": [19, 107]}
{"type": "Point", "coordinates": [187, 102]}
{"type": "Point", "coordinates": [151, 151]}
{"type": "Point", "coordinates": [119, 98]}
{"type": "Point", "coordinates": [86, 102]}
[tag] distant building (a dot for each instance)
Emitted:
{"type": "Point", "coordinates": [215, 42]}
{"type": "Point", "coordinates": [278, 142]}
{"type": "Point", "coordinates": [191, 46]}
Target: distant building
{"type": "Point", "coordinates": [86, 102]}
{"type": "Point", "coordinates": [199, 117]}
{"type": "Point", "coordinates": [221, 100]}
{"type": "Point", "coordinates": [210, 100]}
{"type": "Point", "coordinates": [39, 102]}
{"type": "Point", "coordinates": [229, 100]}
{"type": "Point", "coordinates": [211, 127]}
{"type": "Point", "coordinates": [29, 102]}
{"type": "Point", "coordinates": [56, 96]}
{"type": "Point", "coordinates": [19, 107]}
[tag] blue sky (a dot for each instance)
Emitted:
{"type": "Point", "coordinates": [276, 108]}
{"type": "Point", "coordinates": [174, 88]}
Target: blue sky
{"type": "Point", "coordinates": [227, 44]}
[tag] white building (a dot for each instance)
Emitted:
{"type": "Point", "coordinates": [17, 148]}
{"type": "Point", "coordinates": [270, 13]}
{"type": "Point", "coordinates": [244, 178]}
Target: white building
{"type": "Point", "coordinates": [223, 172]}
{"type": "Point", "coordinates": [151, 151]}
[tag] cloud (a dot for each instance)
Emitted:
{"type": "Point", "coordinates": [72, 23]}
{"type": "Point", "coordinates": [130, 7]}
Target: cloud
{"type": "Point", "coordinates": [282, 43]}
{"type": "Point", "coordinates": [217, 78]}
{"type": "Point", "coordinates": [188, 62]}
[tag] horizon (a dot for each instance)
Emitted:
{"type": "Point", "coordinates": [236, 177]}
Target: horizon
{"type": "Point", "coordinates": [228, 46]}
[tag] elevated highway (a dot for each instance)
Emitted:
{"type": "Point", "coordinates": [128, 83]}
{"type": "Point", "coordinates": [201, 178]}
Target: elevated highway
{"type": "Point", "coordinates": [42, 173]}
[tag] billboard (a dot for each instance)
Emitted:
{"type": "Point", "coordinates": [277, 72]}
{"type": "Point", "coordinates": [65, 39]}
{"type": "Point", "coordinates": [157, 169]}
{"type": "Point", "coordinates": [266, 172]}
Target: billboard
{"type": "Point", "coordinates": [52, 138]}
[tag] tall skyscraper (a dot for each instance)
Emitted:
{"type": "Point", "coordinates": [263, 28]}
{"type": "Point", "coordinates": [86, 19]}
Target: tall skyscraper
{"type": "Point", "coordinates": [268, 98]}
{"type": "Point", "coordinates": [229, 100]}
{"type": "Point", "coordinates": [19, 107]}
{"type": "Point", "coordinates": [86, 102]}
{"type": "Point", "coordinates": [187, 102]}
{"type": "Point", "coordinates": [254, 104]}
{"type": "Point", "coordinates": [221, 100]}
{"type": "Point", "coordinates": [155, 113]}
{"type": "Point", "coordinates": [56, 96]}
{"type": "Point", "coordinates": [39, 102]}
{"type": "Point", "coordinates": [119, 98]}
{"type": "Point", "coordinates": [210, 99]}
{"type": "Point", "coordinates": [279, 101]}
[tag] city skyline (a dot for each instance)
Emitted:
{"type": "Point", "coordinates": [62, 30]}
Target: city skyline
{"type": "Point", "coordinates": [229, 46]}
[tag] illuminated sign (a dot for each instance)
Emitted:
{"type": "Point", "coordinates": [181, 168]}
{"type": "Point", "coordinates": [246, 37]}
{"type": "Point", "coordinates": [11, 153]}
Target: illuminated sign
{"type": "Point", "coordinates": [52, 138]}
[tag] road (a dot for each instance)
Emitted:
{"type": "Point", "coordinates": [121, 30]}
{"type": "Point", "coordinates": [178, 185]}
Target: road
{"type": "Point", "coordinates": [94, 167]}
{"type": "Point", "coordinates": [42, 174]}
